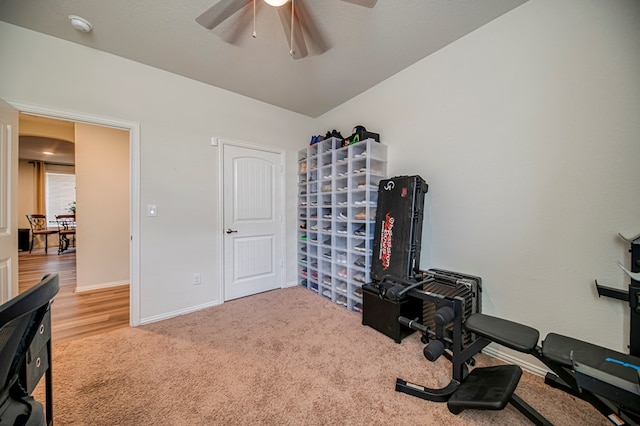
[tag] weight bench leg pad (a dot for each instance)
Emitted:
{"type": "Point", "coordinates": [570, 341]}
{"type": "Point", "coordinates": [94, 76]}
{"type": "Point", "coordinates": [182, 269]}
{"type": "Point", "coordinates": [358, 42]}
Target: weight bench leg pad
{"type": "Point", "coordinates": [488, 388]}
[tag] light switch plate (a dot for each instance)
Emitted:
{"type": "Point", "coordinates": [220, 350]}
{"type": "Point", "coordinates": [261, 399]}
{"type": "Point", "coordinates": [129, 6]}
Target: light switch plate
{"type": "Point", "coordinates": [152, 210]}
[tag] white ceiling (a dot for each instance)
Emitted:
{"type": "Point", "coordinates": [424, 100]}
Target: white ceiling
{"type": "Point", "coordinates": [46, 139]}
{"type": "Point", "coordinates": [366, 45]}
{"type": "Point", "coordinates": [49, 150]}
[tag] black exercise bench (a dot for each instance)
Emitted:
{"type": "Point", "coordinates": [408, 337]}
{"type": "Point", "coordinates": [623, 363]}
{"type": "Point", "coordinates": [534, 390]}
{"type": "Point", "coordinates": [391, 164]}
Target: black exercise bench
{"type": "Point", "coordinates": [606, 379]}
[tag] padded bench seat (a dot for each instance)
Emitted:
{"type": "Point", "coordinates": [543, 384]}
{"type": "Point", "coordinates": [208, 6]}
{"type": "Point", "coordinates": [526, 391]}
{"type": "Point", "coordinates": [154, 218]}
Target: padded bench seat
{"type": "Point", "coordinates": [558, 348]}
{"type": "Point", "coordinates": [486, 388]}
{"type": "Point", "coordinates": [507, 333]}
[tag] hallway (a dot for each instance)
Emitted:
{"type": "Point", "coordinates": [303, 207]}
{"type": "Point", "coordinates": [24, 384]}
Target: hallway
{"type": "Point", "coordinates": [74, 315]}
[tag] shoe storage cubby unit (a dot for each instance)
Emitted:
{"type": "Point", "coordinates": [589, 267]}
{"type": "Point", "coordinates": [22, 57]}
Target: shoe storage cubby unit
{"type": "Point", "coordinates": [337, 198]}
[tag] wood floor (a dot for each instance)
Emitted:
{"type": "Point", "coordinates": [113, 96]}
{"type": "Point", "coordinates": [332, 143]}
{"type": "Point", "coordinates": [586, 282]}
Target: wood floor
{"type": "Point", "coordinates": [74, 315]}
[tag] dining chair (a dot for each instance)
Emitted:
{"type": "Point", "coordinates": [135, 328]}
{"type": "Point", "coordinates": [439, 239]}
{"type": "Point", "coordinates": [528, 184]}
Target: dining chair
{"type": "Point", "coordinates": [38, 223]}
{"type": "Point", "coordinates": [66, 230]}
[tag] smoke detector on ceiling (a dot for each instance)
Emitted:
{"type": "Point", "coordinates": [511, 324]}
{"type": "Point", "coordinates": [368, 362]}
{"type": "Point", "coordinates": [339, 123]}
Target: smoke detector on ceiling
{"type": "Point", "coordinates": [80, 23]}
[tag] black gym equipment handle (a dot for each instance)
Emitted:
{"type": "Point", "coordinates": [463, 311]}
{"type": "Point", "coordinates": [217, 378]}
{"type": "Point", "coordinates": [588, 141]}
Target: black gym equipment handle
{"type": "Point", "coordinates": [400, 287]}
{"type": "Point", "coordinates": [414, 325]}
{"type": "Point", "coordinates": [426, 331]}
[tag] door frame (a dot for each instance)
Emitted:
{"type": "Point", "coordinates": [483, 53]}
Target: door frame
{"type": "Point", "coordinates": [283, 201]}
{"type": "Point", "coordinates": [134, 190]}
{"type": "Point", "coordinates": [9, 285]}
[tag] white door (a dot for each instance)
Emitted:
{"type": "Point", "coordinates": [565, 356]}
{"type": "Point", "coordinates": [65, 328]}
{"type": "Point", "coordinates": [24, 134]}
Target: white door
{"type": "Point", "coordinates": [8, 201]}
{"type": "Point", "coordinates": [253, 221]}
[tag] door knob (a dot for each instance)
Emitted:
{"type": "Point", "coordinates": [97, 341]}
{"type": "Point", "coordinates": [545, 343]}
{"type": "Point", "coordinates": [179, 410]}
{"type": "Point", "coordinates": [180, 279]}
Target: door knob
{"type": "Point", "coordinates": [231, 231]}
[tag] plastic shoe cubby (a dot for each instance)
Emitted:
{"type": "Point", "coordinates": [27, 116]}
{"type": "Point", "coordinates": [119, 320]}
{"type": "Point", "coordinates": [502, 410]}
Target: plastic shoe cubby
{"type": "Point", "coordinates": [337, 198]}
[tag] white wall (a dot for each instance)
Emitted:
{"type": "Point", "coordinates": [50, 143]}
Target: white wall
{"type": "Point", "coordinates": [527, 131]}
{"type": "Point", "coordinates": [179, 167]}
{"type": "Point", "coordinates": [102, 200]}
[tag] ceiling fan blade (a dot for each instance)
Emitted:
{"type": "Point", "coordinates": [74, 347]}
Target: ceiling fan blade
{"type": "Point", "coordinates": [220, 11]}
{"type": "Point", "coordinates": [308, 23]}
{"type": "Point", "coordinates": [365, 3]}
{"type": "Point", "coordinates": [244, 25]}
{"type": "Point", "coordinates": [299, 48]}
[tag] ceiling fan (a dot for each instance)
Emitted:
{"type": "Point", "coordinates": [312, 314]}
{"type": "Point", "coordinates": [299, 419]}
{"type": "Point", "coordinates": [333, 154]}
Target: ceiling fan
{"type": "Point", "coordinates": [294, 17]}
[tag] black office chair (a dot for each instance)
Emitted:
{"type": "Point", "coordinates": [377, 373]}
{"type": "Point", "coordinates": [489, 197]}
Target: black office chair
{"type": "Point", "coordinates": [20, 318]}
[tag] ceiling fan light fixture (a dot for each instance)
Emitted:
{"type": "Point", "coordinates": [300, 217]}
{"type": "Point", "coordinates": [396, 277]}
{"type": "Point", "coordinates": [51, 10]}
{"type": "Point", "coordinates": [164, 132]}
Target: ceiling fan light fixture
{"type": "Point", "coordinates": [276, 3]}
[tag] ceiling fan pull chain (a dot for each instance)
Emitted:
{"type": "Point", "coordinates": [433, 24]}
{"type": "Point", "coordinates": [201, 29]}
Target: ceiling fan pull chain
{"type": "Point", "coordinates": [254, 35]}
{"type": "Point", "coordinates": [293, 5]}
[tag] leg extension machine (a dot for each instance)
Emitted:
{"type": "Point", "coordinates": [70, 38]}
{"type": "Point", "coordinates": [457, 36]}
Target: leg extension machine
{"type": "Point", "coordinates": [608, 380]}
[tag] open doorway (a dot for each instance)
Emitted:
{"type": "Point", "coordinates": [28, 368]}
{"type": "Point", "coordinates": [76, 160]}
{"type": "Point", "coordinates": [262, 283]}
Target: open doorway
{"type": "Point", "coordinates": [94, 271]}
{"type": "Point", "coordinates": [46, 178]}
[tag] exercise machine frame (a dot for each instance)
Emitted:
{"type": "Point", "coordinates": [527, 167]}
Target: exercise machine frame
{"type": "Point", "coordinates": [620, 403]}
{"type": "Point", "coordinates": [632, 295]}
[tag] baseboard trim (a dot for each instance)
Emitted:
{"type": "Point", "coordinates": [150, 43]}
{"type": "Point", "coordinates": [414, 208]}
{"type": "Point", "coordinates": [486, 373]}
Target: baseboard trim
{"type": "Point", "coordinates": [192, 309]}
{"type": "Point", "coordinates": [100, 286]}
{"type": "Point", "coordinates": [495, 352]}
{"type": "Point", "coordinates": [177, 313]}
{"type": "Point", "coordinates": [290, 284]}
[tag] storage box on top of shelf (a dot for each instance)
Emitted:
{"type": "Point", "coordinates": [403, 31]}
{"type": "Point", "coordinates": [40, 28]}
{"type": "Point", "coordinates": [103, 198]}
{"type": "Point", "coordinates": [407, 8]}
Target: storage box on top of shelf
{"type": "Point", "coordinates": [361, 136]}
{"type": "Point", "coordinates": [398, 228]}
{"type": "Point", "coordinates": [364, 135]}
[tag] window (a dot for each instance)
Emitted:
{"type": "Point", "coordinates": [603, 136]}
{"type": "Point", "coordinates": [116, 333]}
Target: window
{"type": "Point", "coordinates": [60, 193]}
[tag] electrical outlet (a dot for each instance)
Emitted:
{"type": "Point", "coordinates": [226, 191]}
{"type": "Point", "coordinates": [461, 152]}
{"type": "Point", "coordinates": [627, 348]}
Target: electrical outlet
{"type": "Point", "coordinates": [197, 278]}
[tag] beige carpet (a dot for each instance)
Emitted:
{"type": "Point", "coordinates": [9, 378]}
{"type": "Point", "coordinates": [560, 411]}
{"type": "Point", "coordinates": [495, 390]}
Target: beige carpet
{"type": "Point", "coordinates": [286, 357]}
